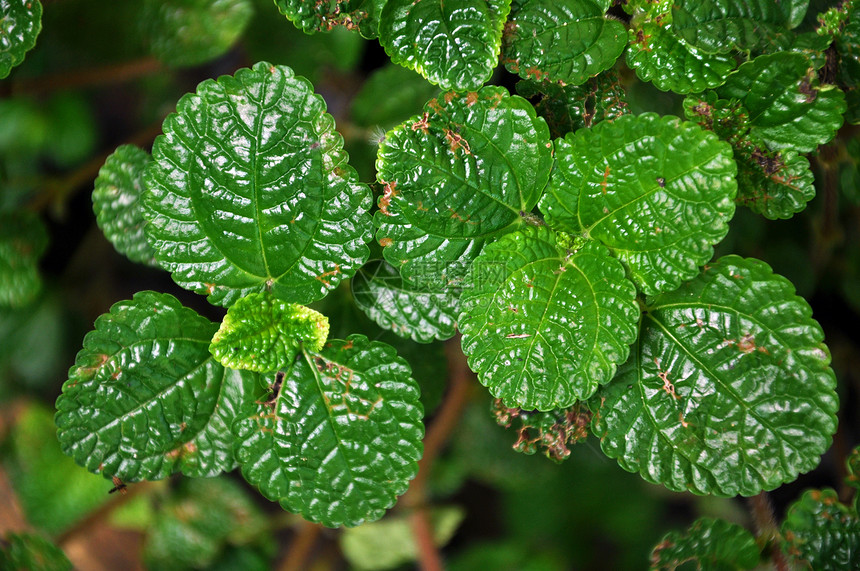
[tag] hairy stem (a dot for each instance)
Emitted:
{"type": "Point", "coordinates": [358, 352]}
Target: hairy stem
{"type": "Point", "coordinates": [766, 529]}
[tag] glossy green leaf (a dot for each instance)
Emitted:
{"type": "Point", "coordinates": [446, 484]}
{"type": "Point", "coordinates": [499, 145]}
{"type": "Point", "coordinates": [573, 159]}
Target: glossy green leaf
{"type": "Point", "coordinates": [197, 522]}
{"type": "Point", "coordinates": [658, 191]}
{"type": "Point", "coordinates": [853, 468]}
{"type": "Point", "coordinates": [561, 40]}
{"type": "Point", "coordinates": [847, 45]}
{"type": "Point", "coordinates": [568, 108]}
{"type": "Point", "coordinates": [341, 439]}
{"type": "Point", "coordinates": [390, 543]}
{"type": "Point", "coordinates": [192, 32]}
{"type": "Point", "coordinates": [323, 16]}
{"type": "Point", "coordinates": [775, 185]}
{"type": "Point", "coordinates": [455, 45]}
{"type": "Point", "coordinates": [821, 533]}
{"type": "Point", "coordinates": [722, 25]}
{"type": "Point", "coordinates": [378, 104]}
{"type": "Point", "coordinates": [145, 398]}
{"type": "Point", "coordinates": [788, 109]}
{"type": "Point", "coordinates": [20, 24]}
{"type": "Point", "coordinates": [544, 321]}
{"type": "Point", "coordinates": [657, 55]}
{"type": "Point", "coordinates": [728, 390]}
{"type": "Point", "coordinates": [117, 202]}
{"type": "Point", "coordinates": [422, 316]}
{"type": "Point", "coordinates": [461, 174]}
{"type": "Point", "coordinates": [250, 190]}
{"type": "Point", "coordinates": [262, 333]}
{"type": "Point", "coordinates": [23, 239]}
{"type": "Point", "coordinates": [31, 552]}
{"type": "Point", "coordinates": [712, 544]}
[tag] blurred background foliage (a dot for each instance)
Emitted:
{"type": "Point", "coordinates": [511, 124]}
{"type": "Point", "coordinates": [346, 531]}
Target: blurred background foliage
{"type": "Point", "coordinates": [107, 73]}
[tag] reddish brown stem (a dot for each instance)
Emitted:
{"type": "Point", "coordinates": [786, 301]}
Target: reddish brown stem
{"type": "Point", "coordinates": [87, 78]}
{"type": "Point", "coordinates": [434, 441]}
{"type": "Point", "coordinates": [766, 528]}
{"type": "Point", "coordinates": [301, 547]}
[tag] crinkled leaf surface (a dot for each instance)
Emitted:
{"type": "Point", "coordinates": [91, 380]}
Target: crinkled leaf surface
{"type": "Point", "coordinates": [713, 544]}
{"type": "Point", "coordinates": [657, 55]}
{"type": "Point", "coordinates": [23, 239]}
{"type": "Point", "coordinates": [561, 40]}
{"type": "Point", "coordinates": [567, 108]}
{"type": "Point", "coordinates": [250, 190]}
{"type": "Point", "coordinates": [721, 25]}
{"type": "Point", "coordinates": [773, 184]}
{"type": "Point", "coordinates": [342, 438]}
{"type": "Point", "coordinates": [422, 316]}
{"type": "Point", "coordinates": [20, 24]}
{"type": "Point", "coordinates": [544, 324]}
{"type": "Point", "coordinates": [32, 552]}
{"type": "Point", "coordinates": [821, 532]}
{"type": "Point", "coordinates": [262, 333]}
{"type": "Point", "coordinates": [117, 202]}
{"type": "Point", "coordinates": [192, 32]}
{"type": "Point", "coordinates": [458, 176]}
{"type": "Point", "coordinates": [658, 191]}
{"type": "Point", "coordinates": [145, 398]}
{"type": "Point", "coordinates": [323, 16]}
{"type": "Point", "coordinates": [455, 45]}
{"type": "Point", "coordinates": [787, 107]}
{"type": "Point", "coordinates": [728, 390]}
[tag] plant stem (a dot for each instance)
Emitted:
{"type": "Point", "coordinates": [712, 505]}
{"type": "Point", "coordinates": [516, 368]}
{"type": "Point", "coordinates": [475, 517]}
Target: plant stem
{"type": "Point", "coordinates": [115, 73]}
{"type": "Point", "coordinates": [97, 516]}
{"type": "Point", "coordinates": [57, 191]}
{"type": "Point", "coordinates": [301, 547]}
{"type": "Point", "coordinates": [434, 441]}
{"type": "Point", "coordinates": [766, 528]}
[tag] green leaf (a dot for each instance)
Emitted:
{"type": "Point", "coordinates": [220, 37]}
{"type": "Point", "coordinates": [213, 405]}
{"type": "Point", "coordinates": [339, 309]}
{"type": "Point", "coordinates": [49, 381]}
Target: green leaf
{"type": "Point", "coordinates": [847, 45]}
{"type": "Point", "coordinates": [728, 390]}
{"type": "Point", "coordinates": [787, 108]}
{"type": "Point", "coordinates": [192, 32]}
{"type": "Point", "coordinates": [20, 24]}
{"type": "Point", "coordinates": [390, 543]}
{"type": "Point", "coordinates": [721, 25]}
{"type": "Point", "coordinates": [145, 398]}
{"type": "Point", "coordinates": [657, 55]}
{"type": "Point", "coordinates": [423, 316]}
{"type": "Point", "coordinates": [712, 544]}
{"type": "Point", "coordinates": [341, 439]}
{"type": "Point", "coordinates": [250, 190]}
{"type": "Point", "coordinates": [773, 184]}
{"type": "Point", "coordinates": [568, 108]}
{"type": "Point", "coordinates": [549, 431]}
{"type": "Point", "coordinates": [117, 205]}
{"type": "Point", "coordinates": [199, 520]}
{"type": "Point", "coordinates": [455, 45]}
{"type": "Point", "coordinates": [460, 175]}
{"type": "Point", "coordinates": [361, 15]}
{"type": "Point", "coordinates": [531, 293]}
{"type": "Point", "coordinates": [657, 191]}
{"type": "Point", "coordinates": [31, 552]}
{"type": "Point", "coordinates": [822, 533]}
{"type": "Point", "coordinates": [378, 104]}
{"type": "Point", "coordinates": [262, 333]}
{"type": "Point", "coordinates": [23, 239]}
{"type": "Point", "coordinates": [853, 469]}
{"type": "Point", "coordinates": [561, 40]}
